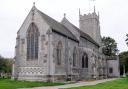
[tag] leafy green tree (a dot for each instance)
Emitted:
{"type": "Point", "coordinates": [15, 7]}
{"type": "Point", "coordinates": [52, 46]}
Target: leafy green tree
{"type": "Point", "coordinates": [109, 46]}
{"type": "Point", "coordinates": [5, 65]}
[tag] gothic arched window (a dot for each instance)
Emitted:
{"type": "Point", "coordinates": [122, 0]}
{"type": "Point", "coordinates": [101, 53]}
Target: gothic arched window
{"type": "Point", "coordinates": [84, 61]}
{"type": "Point", "coordinates": [32, 42]}
{"type": "Point", "coordinates": [74, 57]}
{"type": "Point", "coordinates": [59, 52]}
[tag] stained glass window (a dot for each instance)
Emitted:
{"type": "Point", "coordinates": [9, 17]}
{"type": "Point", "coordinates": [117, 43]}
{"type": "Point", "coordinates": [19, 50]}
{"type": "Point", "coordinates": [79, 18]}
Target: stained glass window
{"type": "Point", "coordinates": [32, 42]}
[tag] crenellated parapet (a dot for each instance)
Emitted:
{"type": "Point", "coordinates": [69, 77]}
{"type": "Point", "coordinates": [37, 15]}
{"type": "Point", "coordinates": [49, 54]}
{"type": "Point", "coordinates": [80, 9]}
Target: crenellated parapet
{"type": "Point", "coordinates": [90, 24]}
{"type": "Point", "coordinates": [89, 16]}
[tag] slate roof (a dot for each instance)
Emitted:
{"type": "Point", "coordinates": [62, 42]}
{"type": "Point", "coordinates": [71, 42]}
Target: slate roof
{"type": "Point", "coordinates": [56, 26]}
{"type": "Point", "coordinates": [83, 34]}
{"type": "Point", "coordinates": [86, 36]}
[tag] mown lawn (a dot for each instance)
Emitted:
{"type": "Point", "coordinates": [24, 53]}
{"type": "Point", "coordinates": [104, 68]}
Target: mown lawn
{"type": "Point", "coordinates": [116, 84]}
{"type": "Point", "coordinates": [12, 84]}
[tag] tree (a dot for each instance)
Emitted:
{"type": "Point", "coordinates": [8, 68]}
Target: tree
{"type": "Point", "coordinates": [109, 46]}
{"type": "Point", "coordinates": [126, 39]}
{"type": "Point", "coordinates": [5, 65]}
{"type": "Point", "coordinates": [123, 57]}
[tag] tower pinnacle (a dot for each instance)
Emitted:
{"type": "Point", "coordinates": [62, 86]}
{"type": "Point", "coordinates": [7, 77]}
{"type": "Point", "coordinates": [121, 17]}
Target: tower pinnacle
{"type": "Point", "coordinates": [79, 11]}
{"type": "Point", "coordinates": [94, 9]}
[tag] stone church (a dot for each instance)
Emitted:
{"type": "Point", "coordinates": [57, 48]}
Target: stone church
{"type": "Point", "coordinates": [48, 50]}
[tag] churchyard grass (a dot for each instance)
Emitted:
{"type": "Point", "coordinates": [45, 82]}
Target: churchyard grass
{"type": "Point", "coordinates": [116, 84]}
{"type": "Point", "coordinates": [12, 84]}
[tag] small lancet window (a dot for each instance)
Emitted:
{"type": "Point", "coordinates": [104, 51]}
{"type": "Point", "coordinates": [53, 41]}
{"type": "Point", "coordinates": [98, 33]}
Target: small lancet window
{"type": "Point", "coordinates": [84, 61]}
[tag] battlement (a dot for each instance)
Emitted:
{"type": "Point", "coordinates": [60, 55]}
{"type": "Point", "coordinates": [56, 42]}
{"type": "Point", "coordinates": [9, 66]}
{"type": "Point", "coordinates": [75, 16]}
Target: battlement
{"type": "Point", "coordinates": [90, 24]}
{"type": "Point", "coordinates": [89, 16]}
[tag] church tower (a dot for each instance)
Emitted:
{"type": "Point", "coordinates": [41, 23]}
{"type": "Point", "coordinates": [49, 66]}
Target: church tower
{"type": "Point", "coordinates": [89, 23]}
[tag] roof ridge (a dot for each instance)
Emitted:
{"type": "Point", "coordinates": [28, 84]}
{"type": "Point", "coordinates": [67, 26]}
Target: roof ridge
{"type": "Point", "coordinates": [57, 25]}
{"type": "Point", "coordinates": [48, 16]}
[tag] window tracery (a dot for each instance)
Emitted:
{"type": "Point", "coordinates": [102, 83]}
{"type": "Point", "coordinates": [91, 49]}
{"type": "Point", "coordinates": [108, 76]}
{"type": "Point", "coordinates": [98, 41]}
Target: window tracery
{"type": "Point", "coordinates": [32, 42]}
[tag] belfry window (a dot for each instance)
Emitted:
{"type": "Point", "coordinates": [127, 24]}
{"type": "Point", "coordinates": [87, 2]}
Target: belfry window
{"type": "Point", "coordinates": [74, 57]}
{"type": "Point", "coordinates": [84, 61]}
{"type": "Point", "coordinates": [32, 42]}
{"type": "Point", "coordinates": [59, 53]}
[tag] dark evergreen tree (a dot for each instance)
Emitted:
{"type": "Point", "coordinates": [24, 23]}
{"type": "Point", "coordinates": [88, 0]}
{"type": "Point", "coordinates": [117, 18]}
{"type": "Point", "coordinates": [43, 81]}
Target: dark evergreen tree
{"type": "Point", "coordinates": [127, 39]}
{"type": "Point", "coordinates": [123, 56]}
{"type": "Point", "coordinates": [109, 46]}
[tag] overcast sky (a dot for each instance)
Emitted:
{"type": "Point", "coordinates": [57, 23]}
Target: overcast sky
{"type": "Point", "coordinates": [113, 18]}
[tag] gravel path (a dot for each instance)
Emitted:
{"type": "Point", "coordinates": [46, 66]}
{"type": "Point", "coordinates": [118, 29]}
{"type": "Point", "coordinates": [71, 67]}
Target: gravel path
{"type": "Point", "coordinates": [74, 85]}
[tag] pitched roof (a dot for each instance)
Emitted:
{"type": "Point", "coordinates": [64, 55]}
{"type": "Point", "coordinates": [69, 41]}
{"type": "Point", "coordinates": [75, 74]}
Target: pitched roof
{"type": "Point", "coordinates": [58, 27]}
{"type": "Point", "coordinates": [82, 34]}
{"type": "Point", "coordinates": [88, 37]}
